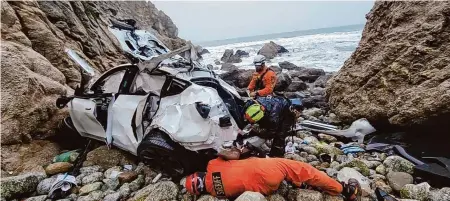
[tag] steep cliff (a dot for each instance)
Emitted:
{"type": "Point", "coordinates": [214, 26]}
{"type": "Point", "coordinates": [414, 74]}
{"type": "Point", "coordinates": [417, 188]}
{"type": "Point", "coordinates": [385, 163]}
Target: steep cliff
{"type": "Point", "coordinates": [35, 69]}
{"type": "Point", "coordinates": [400, 73]}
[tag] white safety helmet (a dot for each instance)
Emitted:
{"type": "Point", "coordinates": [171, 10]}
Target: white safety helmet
{"type": "Point", "coordinates": [259, 60]}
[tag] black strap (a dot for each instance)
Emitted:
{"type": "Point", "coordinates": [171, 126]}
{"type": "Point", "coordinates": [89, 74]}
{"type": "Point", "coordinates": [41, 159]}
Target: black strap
{"type": "Point", "coordinates": [218, 185]}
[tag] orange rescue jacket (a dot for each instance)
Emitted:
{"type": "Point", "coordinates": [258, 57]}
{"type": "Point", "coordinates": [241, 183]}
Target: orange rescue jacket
{"type": "Point", "coordinates": [267, 77]}
{"type": "Point", "coordinates": [264, 175]}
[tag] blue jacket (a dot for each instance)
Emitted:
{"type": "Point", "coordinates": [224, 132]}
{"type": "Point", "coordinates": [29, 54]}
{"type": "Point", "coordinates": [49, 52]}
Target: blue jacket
{"type": "Point", "coordinates": [275, 108]}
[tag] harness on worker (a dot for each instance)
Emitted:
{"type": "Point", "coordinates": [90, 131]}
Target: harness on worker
{"type": "Point", "coordinates": [259, 81]}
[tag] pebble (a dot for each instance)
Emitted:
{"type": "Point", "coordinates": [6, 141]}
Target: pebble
{"type": "Point", "coordinates": [419, 192]}
{"type": "Point", "coordinates": [59, 167]}
{"type": "Point", "coordinates": [90, 187]}
{"type": "Point", "coordinates": [304, 194]}
{"type": "Point", "coordinates": [331, 172]}
{"type": "Point", "coordinates": [125, 190]}
{"type": "Point", "coordinates": [303, 154]}
{"type": "Point", "coordinates": [112, 197]}
{"type": "Point", "coordinates": [94, 177]}
{"type": "Point", "coordinates": [315, 163]}
{"type": "Point", "coordinates": [399, 179]}
{"type": "Point", "coordinates": [44, 186]}
{"type": "Point", "coordinates": [311, 158]}
{"type": "Point", "coordinates": [90, 169]}
{"type": "Point", "coordinates": [334, 164]}
{"type": "Point", "coordinates": [302, 134]}
{"type": "Point", "coordinates": [381, 169]}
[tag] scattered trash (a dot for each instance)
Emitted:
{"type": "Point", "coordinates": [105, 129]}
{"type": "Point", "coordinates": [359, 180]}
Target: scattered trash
{"type": "Point", "coordinates": [65, 157]}
{"type": "Point", "coordinates": [290, 148]}
{"type": "Point", "coordinates": [383, 196]}
{"type": "Point", "coordinates": [128, 167]}
{"type": "Point", "coordinates": [156, 178]}
{"type": "Point", "coordinates": [326, 158]}
{"type": "Point", "coordinates": [114, 174]}
{"type": "Point", "coordinates": [60, 188]}
{"type": "Point", "coordinates": [351, 148]}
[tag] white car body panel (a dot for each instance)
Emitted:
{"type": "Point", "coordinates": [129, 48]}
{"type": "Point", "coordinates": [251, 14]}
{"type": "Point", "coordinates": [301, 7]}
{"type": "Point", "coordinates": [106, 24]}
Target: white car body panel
{"type": "Point", "coordinates": [82, 112]}
{"type": "Point", "coordinates": [124, 109]}
{"type": "Point", "coordinates": [178, 116]}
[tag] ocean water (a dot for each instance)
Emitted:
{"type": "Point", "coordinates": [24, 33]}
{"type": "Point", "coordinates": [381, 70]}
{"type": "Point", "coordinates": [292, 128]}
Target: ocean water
{"type": "Point", "coordinates": [322, 48]}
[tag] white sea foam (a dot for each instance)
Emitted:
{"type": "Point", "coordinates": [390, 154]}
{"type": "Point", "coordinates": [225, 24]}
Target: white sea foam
{"type": "Point", "coordinates": [326, 51]}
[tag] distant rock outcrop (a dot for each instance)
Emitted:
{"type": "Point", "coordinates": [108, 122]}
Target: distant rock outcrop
{"type": "Point", "coordinates": [230, 57]}
{"type": "Point", "coordinates": [400, 73]}
{"type": "Point", "coordinates": [271, 50]}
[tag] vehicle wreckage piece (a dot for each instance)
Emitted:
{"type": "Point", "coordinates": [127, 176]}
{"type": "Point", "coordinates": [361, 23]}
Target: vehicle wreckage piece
{"type": "Point", "coordinates": [357, 130]}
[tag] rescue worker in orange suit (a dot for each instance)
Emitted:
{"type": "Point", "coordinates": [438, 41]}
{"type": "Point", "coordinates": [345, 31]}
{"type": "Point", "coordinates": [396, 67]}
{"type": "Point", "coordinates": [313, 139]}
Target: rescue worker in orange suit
{"type": "Point", "coordinates": [263, 80]}
{"type": "Point", "coordinates": [229, 179]}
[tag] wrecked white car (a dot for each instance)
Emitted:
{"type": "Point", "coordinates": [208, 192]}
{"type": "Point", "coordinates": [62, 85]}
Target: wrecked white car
{"type": "Point", "coordinates": [168, 110]}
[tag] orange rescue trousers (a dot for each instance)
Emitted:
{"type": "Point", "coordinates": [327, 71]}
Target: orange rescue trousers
{"type": "Point", "coordinates": [265, 175]}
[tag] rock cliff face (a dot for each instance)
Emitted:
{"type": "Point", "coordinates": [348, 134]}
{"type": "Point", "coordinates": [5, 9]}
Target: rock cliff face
{"type": "Point", "coordinates": [400, 73]}
{"type": "Point", "coordinates": [36, 70]}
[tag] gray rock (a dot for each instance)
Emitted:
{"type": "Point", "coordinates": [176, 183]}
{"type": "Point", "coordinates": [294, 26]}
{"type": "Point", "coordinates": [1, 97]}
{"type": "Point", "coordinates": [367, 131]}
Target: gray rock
{"type": "Point", "coordinates": [381, 169]}
{"type": "Point", "coordinates": [303, 154]}
{"type": "Point", "coordinates": [315, 112]}
{"type": "Point", "coordinates": [399, 179]}
{"type": "Point", "coordinates": [112, 197]}
{"type": "Point", "coordinates": [327, 197]}
{"type": "Point", "coordinates": [322, 80]}
{"type": "Point", "coordinates": [93, 196]}
{"type": "Point", "coordinates": [79, 179]}
{"type": "Point", "coordinates": [303, 134]}
{"type": "Point", "coordinates": [271, 50]}
{"type": "Point", "coordinates": [288, 65]}
{"type": "Point", "coordinates": [438, 195]}
{"type": "Point", "coordinates": [90, 187]}
{"type": "Point", "coordinates": [295, 157]}
{"type": "Point", "coordinates": [251, 196]}
{"type": "Point", "coordinates": [297, 86]}
{"type": "Point", "coordinates": [419, 192]}
{"type": "Point", "coordinates": [295, 139]}
{"type": "Point", "coordinates": [311, 158]}
{"type": "Point", "coordinates": [275, 197]}
{"type": "Point", "coordinates": [111, 184]}
{"type": "Point", "coordinates": [283, 82]}
{"type": "Point", "coordinates": [137, 183]}
{"type": "Point", "coordinates": [20, 185]}
{"type": "Point", "coordinates": [90, 169]}
{"type": "Point", "coordinates": [207, 198]}
{"type": "Point", "coordinates": [347, 173]}
{"type": "Point", "coordinates": [125, 190]}
{"type": "Point", "coordinates": [331, 172]}
{"type": "Point", "coordinates": [109, 171]}
{"type": "Point", "coordinates": [308, 74]}
{"type": "Point", "coordinates": [310, 150]}
{"type": "Point", "coordinates": [229, 56]}
{"type": "Point", "coordinates": [303, 194]}
{"type": "Point", "coordinates": [334, 164]}
{"type": "Point", "coordinates": [314, 163]}
{"type": "Point", "coordinates": [371, 164]}
{"type": "Point", "coordinates": [382, 185]}
{"type": "Point", "coordinates": [398, 164]}
{"type": "Point", "coordinates": [283, 189]}
{"type": "Point", "coordinates": [377, 177]}
{"type": "Point", "coordinates": [165, 190]}
{"type": "Point", "coordinates": [327, 138]}
{"type": "Point", "coordinates": [94, 177]}
{"type": "Point", "coordinates": [44, 186]}
{"type": "Point", "coordinates": [37, 198]}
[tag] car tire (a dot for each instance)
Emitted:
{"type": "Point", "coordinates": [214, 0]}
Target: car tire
{"type": "Point", "coordinates": [159, 152]}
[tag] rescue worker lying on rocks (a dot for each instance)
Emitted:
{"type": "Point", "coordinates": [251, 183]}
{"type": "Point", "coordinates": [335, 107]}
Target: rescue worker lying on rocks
{"type": "Point", "coordinates": [263, 80]}
{"type": "Point", "coordinates": [229, 179]}
{"type": "Point", "coordinates": [275, 116]}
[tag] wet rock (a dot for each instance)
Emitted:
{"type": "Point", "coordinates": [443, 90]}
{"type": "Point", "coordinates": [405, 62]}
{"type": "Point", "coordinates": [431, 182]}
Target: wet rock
{"type": "Point", "coordinates": [37, 198]}
{"type": "Point", "coordinates": [381, 169]}
{"type": "Point", "coordinates": [107, 158]}
{"type": "Point", "coordinates": [44, 186]}
{"type": "Point", "coordinates": [112, 197]}
{"type": "Point", "coordinates": [283, 82]}
{"type": "Point", "coordinates": [327, 138]}
{"type": "Point", "coordinates": [327, 197]}
{"type": "Point", "coordinates": [271, 50]}
{"type": "Point", "coordinates": [91, 169]}
{"type": "Point", "coordinates": [59, 167]}
{"type": "Point", "coordinates": [398, 164]}
{"type": "Point", "coordinates": [12, 187]}
{"type": "Point", "coordinates": [303, 194]}
{"type": "Point", "coordinates": [438, 195]}
{"type": "Point", "coordinates": [126, 177]}
{"type": "Point", "coordinates": [94, 177]}
{"type": "Point", "coordinates": [109, 171]}
{"type": "Point", "coordinates": [275, 197]}
{"type": "Point", "coordinates": [322, 80]}
{"type": "Point", "coordinates": [311, 150]}
{"type": "Point", "coordinates": [418, 192]}
{"type": "Point", "coordinates": [90, 187]}
{"type": "Point", "coordinates": [308, 74]}
{"type": "Point", "coordinates": [315, 112]}
{"type": "Point", "coordinates": [165, 190]}
{"type": "Point", "coordinates": [311, 158]}
{"type": "Point", "coordinates": [288, 65]}
{"type": "Point", "coordinates": [251, 196]}
{"type": "Point", "coordinates": [137, 183]}
{"type": "Point", "coordinates": [346, 173]}
{"type": "Point", "coordinates": [297, 86]}
{"type": "Point", "coordinates": [399, 179]}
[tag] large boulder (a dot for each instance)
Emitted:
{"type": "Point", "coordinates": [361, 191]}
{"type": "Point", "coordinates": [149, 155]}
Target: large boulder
{"type": "Point", "coordinates": [241, 53]}
{"type": "Point", "coordinates": [229, 56]}
{"type": "Point", "coordinates": [271, 50]}
{"type": "Point", "coordinates": [399, 179]}
{"type": "Point", "coordinates": [36, 70]}
{"type": "Point", "coordinates": [347, 173]}
{"type": "Point", "coordinates": [289, 66]}
{"type": "Point", "coordinates": [12, 187]}
{"type": "Point", "coordinates": [283, 82]}
{"type": "Point", "coordinates": [400, 72]}
{"type": "Point", "coordinates": [297, 86]}
{"type": "Point", "coordinates": [418, 192]}
{"type": "Point", "coordinates": [322, 80]}
{"type": "Point", "coordinates": [238, 77]}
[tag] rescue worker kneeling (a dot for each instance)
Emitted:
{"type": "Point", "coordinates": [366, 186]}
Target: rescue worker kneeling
{"type": "Point", "coordinates": [229, 179]}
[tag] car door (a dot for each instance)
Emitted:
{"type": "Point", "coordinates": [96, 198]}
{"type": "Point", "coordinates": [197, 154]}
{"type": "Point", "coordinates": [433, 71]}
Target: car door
{"type": "Point", "coordinates": [89, 112]}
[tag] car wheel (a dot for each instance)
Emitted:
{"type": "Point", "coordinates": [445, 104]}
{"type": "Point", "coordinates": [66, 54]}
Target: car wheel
{"type": "Point", "coordinates": [158, 151]}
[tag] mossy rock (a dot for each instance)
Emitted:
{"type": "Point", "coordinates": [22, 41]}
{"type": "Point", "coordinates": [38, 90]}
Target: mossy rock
{"type": "Point", "coordinates": [361, 166]}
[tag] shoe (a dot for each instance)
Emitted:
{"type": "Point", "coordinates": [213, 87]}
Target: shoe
{"type": "Point", "coordinates": [352, 190]}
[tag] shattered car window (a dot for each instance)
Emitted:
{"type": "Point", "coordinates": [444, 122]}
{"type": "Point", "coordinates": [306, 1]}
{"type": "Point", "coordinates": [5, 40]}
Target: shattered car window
{"type": "Point", "coordinates": [148, 83]}
{"type": "Point", "coordinates": [111, 84]}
